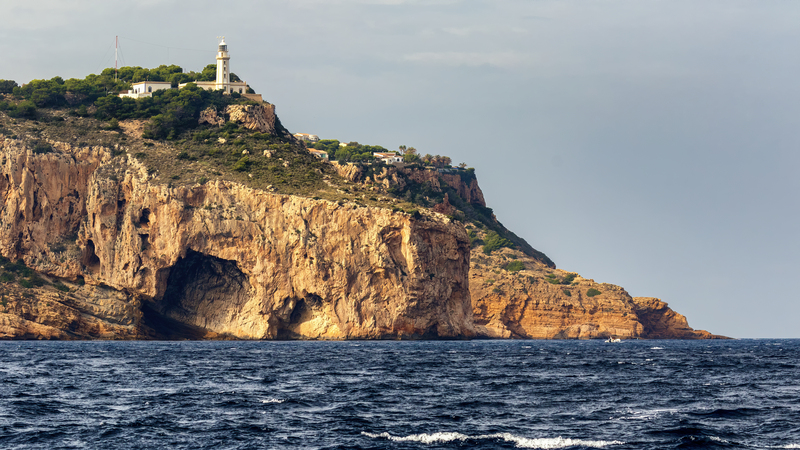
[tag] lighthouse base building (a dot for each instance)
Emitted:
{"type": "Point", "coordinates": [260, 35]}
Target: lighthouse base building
{"type": "Point", "coordinates": [223, 81]}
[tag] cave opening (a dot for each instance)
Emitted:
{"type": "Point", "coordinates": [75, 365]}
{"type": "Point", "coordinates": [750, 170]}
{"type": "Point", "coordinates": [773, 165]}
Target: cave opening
{"type": "Point", "coordinates": [90, 259]}
{"type": "Point", "coordinates": [202, 292]}
{"type": "Point", "coordinates": [144, 218]}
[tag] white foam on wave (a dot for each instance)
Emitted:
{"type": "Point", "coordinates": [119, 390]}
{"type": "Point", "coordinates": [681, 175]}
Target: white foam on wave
{"type": "Point", "coordinates": [272, 400]}
{"type": "Point", "coordinates": [648, 414]}
{"type": "Point", "coordinates": [656, 348]}
{"type": "Point", "coordinates": [790, 446]}
{"type": "Point", "coordinates": [521, 442]}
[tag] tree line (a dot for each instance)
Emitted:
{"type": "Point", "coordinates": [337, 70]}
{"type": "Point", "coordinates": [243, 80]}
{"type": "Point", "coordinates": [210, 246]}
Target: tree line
{"type": "Point", "coordinates": [169, 111]}
{"type": "Point", "coordinates": [354, 152]}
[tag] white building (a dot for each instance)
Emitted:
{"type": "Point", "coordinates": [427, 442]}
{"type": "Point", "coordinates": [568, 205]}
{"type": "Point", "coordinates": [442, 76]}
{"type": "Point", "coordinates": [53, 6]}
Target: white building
{"type": "Point", "coordinates": [145, 89]}
{"type": "Point", "coordinates": [318, 153]}
{"type": "Point", "coordinates": [223, 81]}
{"type": "Point", "coordinates": [388, 158]}
{"type": "Point", "coordinates": [307, 137]}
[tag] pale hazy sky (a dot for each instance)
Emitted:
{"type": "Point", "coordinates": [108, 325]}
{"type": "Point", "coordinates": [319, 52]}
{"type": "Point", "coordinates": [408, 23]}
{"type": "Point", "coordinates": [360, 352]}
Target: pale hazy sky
{"type": "Point", "coordinates": [649, 144]}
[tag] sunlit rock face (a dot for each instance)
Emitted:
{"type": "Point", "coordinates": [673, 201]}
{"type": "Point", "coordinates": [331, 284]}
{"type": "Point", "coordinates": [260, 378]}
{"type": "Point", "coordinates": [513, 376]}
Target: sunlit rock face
{"type": "Point", "coordinates": [541, 302]}
{"type": "Point", "coordinates": [217, 260]}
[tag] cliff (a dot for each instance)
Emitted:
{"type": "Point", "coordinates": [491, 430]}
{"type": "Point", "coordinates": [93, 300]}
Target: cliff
{"type": "Point", "coordinates": [516, 296]}
{"type": "Point", "coordinates": [144, 259]}
{"type": "Point", "coordinates": [236, 232]}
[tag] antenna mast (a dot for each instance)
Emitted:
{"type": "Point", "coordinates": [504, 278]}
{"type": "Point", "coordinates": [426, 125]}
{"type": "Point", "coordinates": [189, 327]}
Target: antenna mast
{"type": "Point", "coordinates": [116, 52]}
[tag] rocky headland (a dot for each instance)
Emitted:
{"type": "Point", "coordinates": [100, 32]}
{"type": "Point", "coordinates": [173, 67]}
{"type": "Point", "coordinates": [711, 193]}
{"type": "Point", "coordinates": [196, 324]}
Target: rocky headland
{"type": "Point", "coordinates": [105, 234]}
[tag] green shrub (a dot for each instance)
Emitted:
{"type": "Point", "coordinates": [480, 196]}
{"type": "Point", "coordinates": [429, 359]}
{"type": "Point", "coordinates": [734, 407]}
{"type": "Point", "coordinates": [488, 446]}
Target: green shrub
{"type": "Point", "coordinates": [37, 281]}
{"type": "Point", "coordinates": [6, 277]}
{"type": "Point", "coordinates": [41, 148]}
{"type": "Point", "coordinates": [24, 109]}
{"type": "Point", "coordinates": [473, 239]}
{"type": "Point", "coordinates": [61, 286]}
{"type": "Point", "coordinates": [553, 279]}
{"type": "Point", "coordinates": [494, 242]}
{"type": "Point", "coordinates": [514, 266]}
{"type": "Point", "coordinates": [241, 164]}
{"type": "Point", "coordinates": [592, 292]}
{"type": "Point", "coordinates": [567, 292]}
{"type": "Point", "coordinates": [7, 86]}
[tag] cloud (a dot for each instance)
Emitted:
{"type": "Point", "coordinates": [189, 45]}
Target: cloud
{"type": "Point", "coordinates": [505, 60]}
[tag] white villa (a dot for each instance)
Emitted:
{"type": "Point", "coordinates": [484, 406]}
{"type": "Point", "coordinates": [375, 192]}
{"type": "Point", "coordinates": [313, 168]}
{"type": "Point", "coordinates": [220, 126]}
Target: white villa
{"type": "Point", "coordinates": [145, 89]}
{"type": "Point", "coordinates": [321, 154]}
{"type": "Point", "coordinates": [223, 81]}
{"type": "Point", "coordinates": [388, 158]}
{"type": "Point", "coordinates": [307, 137]}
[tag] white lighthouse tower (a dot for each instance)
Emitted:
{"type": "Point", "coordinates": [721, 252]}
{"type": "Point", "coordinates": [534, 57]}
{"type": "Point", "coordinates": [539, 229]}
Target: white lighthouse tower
{"type": "Point", "coordinates": [223, 66]}
{"type": "Point", "coordinates": [223, 81]}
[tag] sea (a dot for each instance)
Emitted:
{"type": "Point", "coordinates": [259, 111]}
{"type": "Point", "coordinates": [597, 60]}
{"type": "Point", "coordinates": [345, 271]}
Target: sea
{"type": "Point", "coordinates": [494, 394]}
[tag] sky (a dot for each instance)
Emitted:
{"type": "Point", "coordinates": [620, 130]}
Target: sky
{"type": "Point", "coordinates": [644, 143]}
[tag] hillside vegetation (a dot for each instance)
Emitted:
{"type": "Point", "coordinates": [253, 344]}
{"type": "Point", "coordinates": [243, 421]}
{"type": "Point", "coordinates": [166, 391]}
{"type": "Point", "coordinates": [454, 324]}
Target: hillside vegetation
{"type": "Point", "coordinates": [163, 133]}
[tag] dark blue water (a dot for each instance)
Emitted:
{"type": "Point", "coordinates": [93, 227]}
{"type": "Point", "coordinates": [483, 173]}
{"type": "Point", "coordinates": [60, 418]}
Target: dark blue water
{"type": "Point", "coordinates": [405, 395]}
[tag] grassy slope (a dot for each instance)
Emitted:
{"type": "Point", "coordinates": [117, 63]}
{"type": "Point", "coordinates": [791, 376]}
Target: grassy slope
{"type": "Point", "coordinates": [262, 161]}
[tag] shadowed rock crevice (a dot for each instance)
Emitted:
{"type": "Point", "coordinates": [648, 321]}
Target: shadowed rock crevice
{"type": "Point", "coordinates": [159, 327]}
{"type": "Point", "coordinates": [203, 291]}
{"type": "Point", "coordinates": [304, 310]}
{"type": "Point", "coordinates": [89, 258]}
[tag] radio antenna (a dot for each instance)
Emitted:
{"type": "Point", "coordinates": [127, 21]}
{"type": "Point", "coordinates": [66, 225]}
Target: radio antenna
{"type": "Point", "coordinates": [116, 53]}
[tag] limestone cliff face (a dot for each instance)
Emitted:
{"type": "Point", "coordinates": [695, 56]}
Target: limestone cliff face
{"type": "Point", "coordinates": [218, 259]}
{"type": "Point", "coordinates": [260, 117]}
{"type": "Point", "coordinates": [121, 255]}
{"type": "Point", "coordinates": [541, 302]}
{"type": "Point", "coordinates": [392, 177]}
{"type": "Point", "coordinates": [661, 322]}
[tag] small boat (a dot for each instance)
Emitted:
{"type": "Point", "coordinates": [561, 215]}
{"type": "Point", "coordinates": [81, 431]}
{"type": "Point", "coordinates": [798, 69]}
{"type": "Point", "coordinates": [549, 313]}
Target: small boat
{"type": "Point", "coordinates": [611, 339]}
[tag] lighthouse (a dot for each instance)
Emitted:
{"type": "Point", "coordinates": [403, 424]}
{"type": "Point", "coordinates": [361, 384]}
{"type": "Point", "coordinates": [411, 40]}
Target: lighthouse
{"type": "Point", "coordinates": [223, 67]}
{"type": "Point", "coordinates": [223, 81]}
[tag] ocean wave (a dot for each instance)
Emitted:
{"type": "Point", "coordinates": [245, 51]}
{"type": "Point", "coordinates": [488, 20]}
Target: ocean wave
{"type": "Point", "coordinates": [272, 400]}
{"type": "Point", "coordinates": [648, 414]}
{"type": "Point", "coordinates": [521, 442]}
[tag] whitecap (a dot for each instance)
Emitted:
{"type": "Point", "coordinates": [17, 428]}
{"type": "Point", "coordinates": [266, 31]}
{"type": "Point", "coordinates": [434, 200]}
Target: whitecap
{"type": "Point", "coordinates": [521, 442]}
{"type": "Point", "coordinates": [656, 348]}
{"type": "Point", "coordinates": [648, 414]}
{"type": "Point", "coordinates": [272, 400]}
